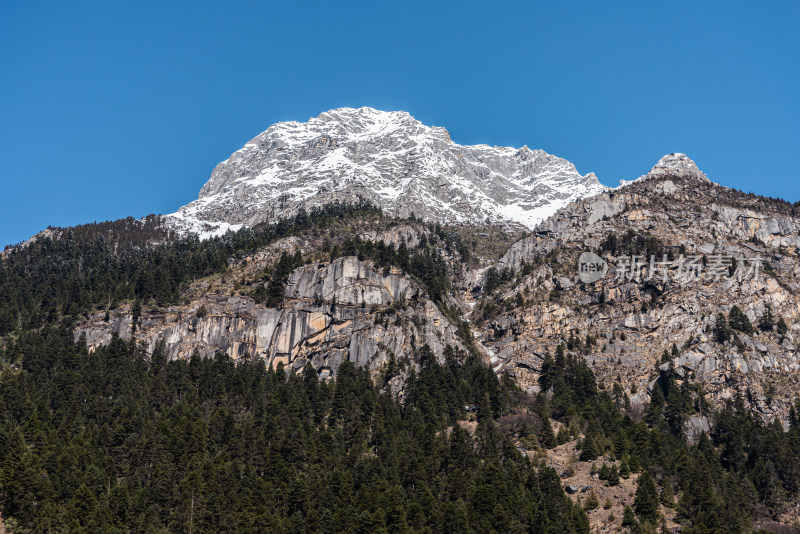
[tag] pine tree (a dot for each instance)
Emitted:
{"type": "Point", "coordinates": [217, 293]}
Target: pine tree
{"type": "Point", "coordinates": [563, 435]}
{"type": "Point", "coordinates": [592, 502]}
{"type": "Point", "coordinates": [618, 394]}
{"type": "Point", "coordinates": [613, 477]}
{"type": "Point", "coordinates": [628, 517]}
{"type": "Point", "coordinates": [697, 498]}
{"type": "Point", "coordinates": [646, 500]}
{"type": "Point", "coordinates": [624, 468]}
{"type": "Point", "coordinates": [82, 510]}
{"type": "Point", "coordinates": [767, 320]}
{"type": "Point", "coordinates": [739, 321]}
{"type": "Point", "coordinates": [136, 312]}
{"type": "Point", "coordinates": [16, 476]}
{"type": "Point", "coordinates": [604, 472]}
{"type": "Point", "coordinates": [588, 449]}
{"type": "Point", "coordinates": [654, 410]}
{"type": "Point", "coordinates": [782, 327]}
{"type": "Point", "coordinates": [548, 374]}
{"type": "Point", "coordinates": [667, 493]}
{"type": "Point", "coordinates": [547, 438]}
{"type": "Point", "coordinates": [722, 332]}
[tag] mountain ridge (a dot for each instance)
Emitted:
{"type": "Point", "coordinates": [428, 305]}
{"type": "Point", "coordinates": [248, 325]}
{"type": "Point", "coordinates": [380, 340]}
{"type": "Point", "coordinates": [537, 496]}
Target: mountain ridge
{"type": "Point", "coordinates": [388, 158]}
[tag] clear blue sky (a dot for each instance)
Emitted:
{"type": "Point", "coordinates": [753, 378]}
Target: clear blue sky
{"type": "Point", "coordinates": [111, 109]}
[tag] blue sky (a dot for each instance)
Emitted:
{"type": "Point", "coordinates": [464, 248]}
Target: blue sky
{"type": "Point", "coordinates": [112, 109]}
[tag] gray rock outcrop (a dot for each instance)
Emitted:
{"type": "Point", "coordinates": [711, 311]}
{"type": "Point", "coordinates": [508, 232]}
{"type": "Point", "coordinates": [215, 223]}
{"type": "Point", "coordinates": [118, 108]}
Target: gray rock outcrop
{"type": "Point", "coordinates": [634, 321]}
{"type": "Point", "coordinates": [337, 311]}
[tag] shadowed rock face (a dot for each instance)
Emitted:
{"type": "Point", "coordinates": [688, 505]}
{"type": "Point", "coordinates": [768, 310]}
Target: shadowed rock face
{"type": "Point", "coordinates": [388, 158]}
{"type": "Point", "coordinates": [337, 311]}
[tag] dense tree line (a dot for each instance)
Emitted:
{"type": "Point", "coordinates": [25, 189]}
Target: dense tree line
{"type": "Point", "coordinates": [114, 441]}
{"type": "Point", "coordinates": [121, 233]}
{"type": "Point", "coordinates": [97, 266]}
{"type": "Point", "coordinates": [117, 441]}
{"type": "Point", "coordinates": [89, 267]}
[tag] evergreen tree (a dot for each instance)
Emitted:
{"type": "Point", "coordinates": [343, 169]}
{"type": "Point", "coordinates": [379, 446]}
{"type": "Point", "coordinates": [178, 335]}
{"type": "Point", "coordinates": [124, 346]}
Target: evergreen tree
{"type": "Point", "coordinates": [767, 320]}
{"type": "Point", "coordinates": [646, 501]}
{"type": "Point", "coordinates": [613, 476]}
{"type": "Point", "coordinates": [782, 328]}
{"type": "Point", "coordinates": [592, 502]}
{"type": "Point", "coordinates": [547, 437]}
{"type": "Point", "coordinates": [628, 517]}
{"type": "Point", "coordinates": [667, 493]}
{"type": "Point", "coordinates": [656, 406]}
{"type": "Point", "coordinates": [588, 449]}
{"type": "Point", "coordinates": [624, 468]}
{"type": "Point", "coordinates": [739, 321]}
{"type": "Point", "coordinates": [604, 473]}
{"type": "Point", "coordinates": [722, 332]}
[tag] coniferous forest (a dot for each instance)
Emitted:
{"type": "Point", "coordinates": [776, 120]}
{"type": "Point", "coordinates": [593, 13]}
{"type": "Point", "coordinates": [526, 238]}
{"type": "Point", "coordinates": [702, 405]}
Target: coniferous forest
{"type": "Point", "coordinates": [117, 440]}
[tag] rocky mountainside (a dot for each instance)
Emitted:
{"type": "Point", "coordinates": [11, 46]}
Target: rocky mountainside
{"type": "Point", "coordinates": [336, 306]}
{"type": "Point", "coordinates": [627, 323]}
{"type": "Point", "coordinates": [630, 318]}
{"type": "Point", "coordinates": [701, 280]}
{"type": "Point", "coordinates": [344, 310]}
{"type": "Point", "coordinates": [388, 158]}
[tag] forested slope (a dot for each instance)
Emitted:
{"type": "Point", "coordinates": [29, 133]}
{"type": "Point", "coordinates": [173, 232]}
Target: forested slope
{"type": "Point", "coordinates": [122, 440]}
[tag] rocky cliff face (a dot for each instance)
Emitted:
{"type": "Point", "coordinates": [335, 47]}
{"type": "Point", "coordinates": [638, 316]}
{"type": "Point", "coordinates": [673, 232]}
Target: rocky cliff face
{"type": "Point", "coordinates": [333, 312]}
{"type": "Point", "coordinates": [388, 158]}
{"type": "Point", "coordinates": [747, 245]}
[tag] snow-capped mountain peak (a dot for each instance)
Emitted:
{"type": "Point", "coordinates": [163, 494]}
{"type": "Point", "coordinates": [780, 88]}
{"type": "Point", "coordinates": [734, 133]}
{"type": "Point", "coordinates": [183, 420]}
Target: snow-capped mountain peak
{"type": "Point", "coordinates": [388, 158]}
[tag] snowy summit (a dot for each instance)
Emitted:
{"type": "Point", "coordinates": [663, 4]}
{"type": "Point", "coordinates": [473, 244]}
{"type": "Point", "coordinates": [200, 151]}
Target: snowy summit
{"type": "Point", "coordinates": [390, 159]}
